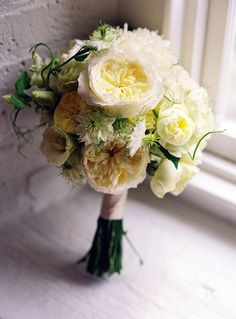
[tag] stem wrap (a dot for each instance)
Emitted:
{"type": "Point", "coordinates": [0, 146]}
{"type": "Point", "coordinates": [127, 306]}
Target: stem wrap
{"type": "Point", "coordinates": [105, 254]}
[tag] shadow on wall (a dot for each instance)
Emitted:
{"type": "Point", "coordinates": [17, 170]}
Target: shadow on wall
{"type": "Point", "coordinates": [24, 23]}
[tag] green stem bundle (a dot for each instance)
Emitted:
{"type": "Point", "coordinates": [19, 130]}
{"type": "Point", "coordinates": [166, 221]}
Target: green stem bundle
{"type": "Point", "coordinates": [105, 254]}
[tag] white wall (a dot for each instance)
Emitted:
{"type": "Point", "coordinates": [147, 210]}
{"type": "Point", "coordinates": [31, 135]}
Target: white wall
{"type": "Point", "coordinates": [137, 13]}
{"type": "Point", "coordinates": [31, 184]}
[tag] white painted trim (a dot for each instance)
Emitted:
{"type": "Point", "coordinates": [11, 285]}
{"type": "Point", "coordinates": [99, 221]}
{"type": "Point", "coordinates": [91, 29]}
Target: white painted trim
{"type": "Point", "coordinates": [227, 50]}
{"type": "Point", "coordinates": [173, 23]}
{"type": "Point", "coordinates": [220, 167]}
{"type": "Point", "coordinates": [217, 52]}
{"type": "Point", "coordinates": [194, 31]}
{"type": "Point", "coordinates": [223, 146]}
{"type": "Point", "coordinates": [212, 193]}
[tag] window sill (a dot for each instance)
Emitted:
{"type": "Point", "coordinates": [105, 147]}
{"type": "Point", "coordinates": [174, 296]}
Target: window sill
{"type": "Point", "coordinates": [183, 275]}
{"type": "Point", "coordinates": [213, 189]}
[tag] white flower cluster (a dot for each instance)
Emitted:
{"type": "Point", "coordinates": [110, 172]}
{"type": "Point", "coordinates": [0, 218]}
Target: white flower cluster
{"type": "Point", "coordinates": [135, 109]}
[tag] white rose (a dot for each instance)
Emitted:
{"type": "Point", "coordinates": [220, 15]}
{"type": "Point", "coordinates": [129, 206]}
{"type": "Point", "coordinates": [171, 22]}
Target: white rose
{"type": "Point", "coordinates": [145, 42]}
{"type": "Point", "coordinates": [175, 127]}
{"type": "Point", "coordinates": [186, 170]}
{"type": "Point", "coordinates": [169, 179]}
{"type": "Point", "coordinates": [164, 179]}
{"type": "Point", "coordinates": [198, 107]}
{"type": "Point", "coordinates": [119, 82]}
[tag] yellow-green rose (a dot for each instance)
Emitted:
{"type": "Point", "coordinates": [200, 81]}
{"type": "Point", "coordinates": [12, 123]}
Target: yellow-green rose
{"type": "Point", "coordinates": [175, 127]}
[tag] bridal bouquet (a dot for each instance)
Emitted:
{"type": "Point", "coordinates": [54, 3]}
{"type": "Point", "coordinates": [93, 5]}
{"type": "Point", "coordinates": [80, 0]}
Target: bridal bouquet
{"type": "Point", "coordinates": [116, 106]}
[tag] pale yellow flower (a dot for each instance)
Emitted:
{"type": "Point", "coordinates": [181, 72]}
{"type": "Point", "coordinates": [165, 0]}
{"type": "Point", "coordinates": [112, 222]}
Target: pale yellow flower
{"type": "Point", "coordinates": [121, 83]}
{"type": "Point", "coordinates": [151, 119]}
{"type": "Point", "coordinates": [111, 169]}
{"type": "Point", "coordinates": [67, 111]}
{"type": "Point", "coordinates": [169, 179]}
{"type": "Point", "coordinates": [56, 146]}
{"type": "Point", "coordinates": [175, 127]}
{"type": "Point", "coordinates": [164, 179]}
{"type": "Point", "coordinates": [187, 168]}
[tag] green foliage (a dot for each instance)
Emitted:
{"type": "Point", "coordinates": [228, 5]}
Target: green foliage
{"type": "Point", "coordinates": [201, 139]}
{"type": "Point", "coordinates": [101, 31]}
{"type": "Point", "coordinates": [23, 83]}
{"type": "Point", "coordinates": [48, 67]}
{"type": "Point", "coordinates": [155, 113]}
{"type": "Point", "coordinates": [18, 102]}
{"type": "Point", "coordinates": [158, 149]}
{"type": "Point", "coordinates": [84, 52]}
{"type": "Point", "coordinates": [80, 56]}
{"type": "Point", "coordinates": [105, 255]}
{"type": "Point", "coordinates": [150, 139]}
{"type": "Point", "coordinates": [123, 125]}
{"type": "Point", "coordinates": [152, 167]}
{"type": "Point", "coordinates": [19, 99]}
{"type": "Point", "coordinates": [54, 67]}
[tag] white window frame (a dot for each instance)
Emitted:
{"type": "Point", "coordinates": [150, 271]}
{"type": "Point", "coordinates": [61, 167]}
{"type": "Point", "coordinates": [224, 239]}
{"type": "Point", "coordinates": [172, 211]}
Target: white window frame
{"type": "Point", "coordinates": [190, 26]}
{"type": "Point", "coordinates": [205, 52]}
{"type": "Point", "coordinates": [201, 35]}
{"type": "Point", "coordinates": [215, 67]}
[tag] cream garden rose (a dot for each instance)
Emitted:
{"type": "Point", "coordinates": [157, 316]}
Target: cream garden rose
{"type": "Point", "coordinates": [111, 169]}
{"type": "Point", "coordinates": [121, 82]}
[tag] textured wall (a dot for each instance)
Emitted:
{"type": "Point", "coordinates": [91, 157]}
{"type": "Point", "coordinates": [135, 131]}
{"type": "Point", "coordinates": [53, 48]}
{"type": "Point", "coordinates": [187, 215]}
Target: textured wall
{"type": "Point", "coordinates": [30, 185]}
{"type": "Point", "coordinates": [137, 13]}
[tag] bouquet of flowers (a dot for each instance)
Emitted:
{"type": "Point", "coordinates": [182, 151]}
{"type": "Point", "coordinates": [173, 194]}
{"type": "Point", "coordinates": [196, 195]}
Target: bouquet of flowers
{"type": "Point", "coordinates": [116, 106]}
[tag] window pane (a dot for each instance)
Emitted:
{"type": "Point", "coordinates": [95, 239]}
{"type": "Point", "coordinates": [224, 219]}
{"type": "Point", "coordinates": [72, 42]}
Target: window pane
{"type": "Point", "coordinates": [231, 111]}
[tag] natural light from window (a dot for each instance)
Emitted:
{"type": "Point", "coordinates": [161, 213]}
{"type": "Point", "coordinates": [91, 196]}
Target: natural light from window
{"type": "Point", "coordinates": [231, 111]}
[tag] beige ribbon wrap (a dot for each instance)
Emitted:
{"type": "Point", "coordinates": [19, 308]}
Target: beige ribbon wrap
{"type": "Point", "coordinates": [113, 206]}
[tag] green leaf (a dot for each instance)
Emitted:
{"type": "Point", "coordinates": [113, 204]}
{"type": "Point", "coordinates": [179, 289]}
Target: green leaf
{"type": "Point", "coordinates": [169, 156]}
{"type": "Point", "coordinates": [155, 149]}
{"type": "Point", "coordinates": [23, 83]}
{"type": "Point", "coordinates": [155, 113]}
{"type": "Point", "coordinates": [152, 167]}
{"type": "Point", "coordinates": [18, 102]}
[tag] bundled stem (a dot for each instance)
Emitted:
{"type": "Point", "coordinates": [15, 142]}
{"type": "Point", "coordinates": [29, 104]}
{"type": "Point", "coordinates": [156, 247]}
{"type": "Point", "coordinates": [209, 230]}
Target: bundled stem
{"type": "Point", "coordinates": [105, 255]}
